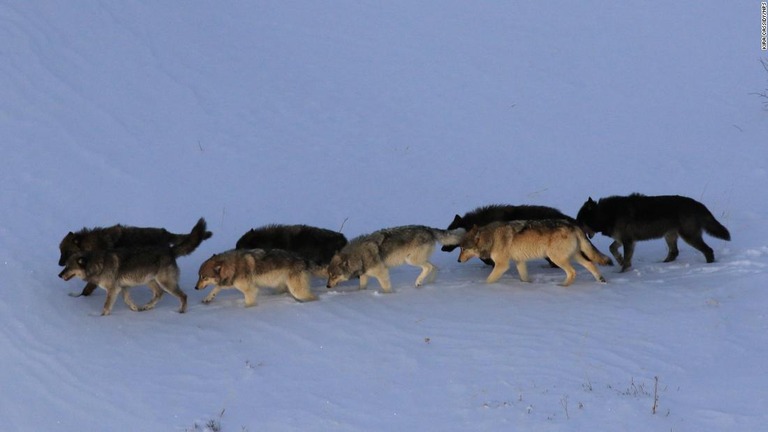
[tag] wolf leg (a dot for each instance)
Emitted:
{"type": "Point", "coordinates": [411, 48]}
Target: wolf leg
{"type": "Point", "coordinates": [363, 281]}
{"type": "Point", "coordinates": [128, 300]}
{"type": "Point", "coordinates": [157, 294]}
{"type": "Point", "coordinates": [426, 271]}
{"type": "Point", "coordinates": [694, 239]}
{"type": "Point", "coordinates": [87, 290]}
{"type": "Point", "coordinates": [565, 264]}
{"type": "Point", "coordinates": [176, 291]}
{"type": "Point", "coordinates": [382, 275]}
{"type": "Point", "coordinates": [590, 266]}
{"type": "Point", "coordinates": [110, 301]}
{"type": "Point", "coordinates": [499, 269]}
{"type": "Point", "coordinates": [249, 293]}
{"type": "Point", "coordinates": [671, 239]}
{"type": "Point", "coordinates": [614, 248]}
{"type": "Point", "coordinates": [522, 270]}
{"type": "Point", "coordinates": [212, 295]}
{"type": "Point", "coordinates": [298, 286]}
{"type": "Point", "coordinates": [629, 250]}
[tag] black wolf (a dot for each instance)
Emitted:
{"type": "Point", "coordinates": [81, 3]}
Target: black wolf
{"type": "Point", "coordinates": [117, 270]}
{"type": "Point", "coordinates": [637, 217]}
{"type": "Point", "coordinates": [117, 237]}
{"type": "Point", "coordinates": [316, 245]}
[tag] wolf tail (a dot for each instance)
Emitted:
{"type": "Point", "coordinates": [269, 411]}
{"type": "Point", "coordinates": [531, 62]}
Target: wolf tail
{"type": "Point", "coordinates": [449, 237]}
{"type": "Point", "coordinates": [192, 240]}
{"type": "Point", "coordinates": [180, 238]}
{"type": "Point", "coordinates": [715, 228]}
{"type": "Point", "coordinates": [589, 250]}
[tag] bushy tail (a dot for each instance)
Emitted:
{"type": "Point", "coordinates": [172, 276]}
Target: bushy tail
{"type": "Point", "coordinates": [192, 240]}
{"type": "Point", "coordinates": [449, 237]}
{"type": "Point", "coordinates": [589, 250]}
{"type": "Point", "coordinates": [715, 228]}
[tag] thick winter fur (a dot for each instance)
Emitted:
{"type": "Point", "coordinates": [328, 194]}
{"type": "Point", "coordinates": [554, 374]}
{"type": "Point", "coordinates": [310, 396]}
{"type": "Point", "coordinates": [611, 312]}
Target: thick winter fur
{"type": "Point", "coordinates": [373, 254]}
{"type": "Point", "coordinates": [117, 270]}
{"type": "Point", "coordinates": [317, 245]}
{"type": "Point", "coordinates": [116, 237]}
{"type": "Point", "coordinates": [482, 216]}
{"type": "Point", "coordinates": [520, 241]}
{"type": "Point", "coordinates": [628, 219]}
{"type": "Point", "coordinates": [246, 270]}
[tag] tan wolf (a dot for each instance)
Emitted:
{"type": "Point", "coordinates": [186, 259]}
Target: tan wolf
{"type": "Point", "coordinates": [520, 241]}
{"type": "Point", "coordinates": [246, 270]}
{"type": "Point", "coordinates": [117, 270]}
{"type": "Point", "coordinates": [116, 237]}
{"type": "Point", "coordinates": [373, 254]}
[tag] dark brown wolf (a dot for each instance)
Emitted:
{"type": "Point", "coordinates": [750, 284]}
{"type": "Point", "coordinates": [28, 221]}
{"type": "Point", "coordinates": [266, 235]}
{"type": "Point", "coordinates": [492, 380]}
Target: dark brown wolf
{"type": "Point", "coordinates": [628, 219]}
{"type": "Point", "coordinates": [316, 245]}
{"type": "Point", "coordinates": [117, 270]}
{"type": "Point", "coordinates": [116, 237]}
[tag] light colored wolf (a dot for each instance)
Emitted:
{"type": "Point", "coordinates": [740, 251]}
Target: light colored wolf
{"type": "Point", "coordinates": [520, 241]}
{"type": "Point", "coordinates": [246, 270]}
{"type": "Point", "coordinates": [117, 270]}
{"type": "Point", "coordinates": [373, 254]}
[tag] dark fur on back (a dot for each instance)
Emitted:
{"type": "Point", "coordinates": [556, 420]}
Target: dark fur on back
{"type": "Point", "coordinates": [119, 236]}
{"type": "Point", "coordinates": [122, 237]}
{"type": "Point", "coordinates": [311, 243]}
{"type": "Point", "coordinates": [637, 217]}
{"type": "Point", "coordinates": [482, 216]}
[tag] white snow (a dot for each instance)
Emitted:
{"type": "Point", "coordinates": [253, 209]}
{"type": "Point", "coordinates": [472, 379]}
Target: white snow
{"type": "Point", "coordinates": [368, 115]}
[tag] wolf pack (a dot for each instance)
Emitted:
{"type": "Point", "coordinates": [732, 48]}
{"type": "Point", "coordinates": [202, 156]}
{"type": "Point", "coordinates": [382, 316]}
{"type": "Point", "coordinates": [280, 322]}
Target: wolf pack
{"type": "Point", "coordinates": [287, 257]}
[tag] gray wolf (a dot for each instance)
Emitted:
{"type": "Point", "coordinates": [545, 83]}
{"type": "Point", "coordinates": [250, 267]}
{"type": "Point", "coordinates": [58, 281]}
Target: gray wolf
{"type": "Point", "coordinates": [628, 219]}
{"type": "Point", "coordinates": [373, 254]}
{"type": "Point", "coordinates": [246, 270]}
{"type": "Point", "coordinates": [117, 270]}
{"type": "Point", "coordinates": [116, 237]}
{"type": "Point", "coordinates": [484, 215]}
{"type": "Point", "coordinates": [317, 245]}
{"type": "Point", "coordinates": [520, 241]}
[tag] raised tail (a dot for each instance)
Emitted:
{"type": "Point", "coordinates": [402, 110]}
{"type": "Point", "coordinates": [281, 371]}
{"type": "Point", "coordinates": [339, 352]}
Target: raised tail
{"type": "Point", "coordinates": [715, 228]}
{"type": "Point", "coordinates": [449, 237]}
{"type": "Point", "coordinates": [589, 250]}
{"type": "Point", "coordinates": [192, 240]}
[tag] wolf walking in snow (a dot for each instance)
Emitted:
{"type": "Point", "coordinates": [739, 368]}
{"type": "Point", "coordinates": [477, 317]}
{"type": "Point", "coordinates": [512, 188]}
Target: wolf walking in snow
{"type": "Point", "coordinates": [371, 255]}
{"type": "Point", "coordinates": [628, 219]}
{"type": "Point", "coordinates": [521, 241]}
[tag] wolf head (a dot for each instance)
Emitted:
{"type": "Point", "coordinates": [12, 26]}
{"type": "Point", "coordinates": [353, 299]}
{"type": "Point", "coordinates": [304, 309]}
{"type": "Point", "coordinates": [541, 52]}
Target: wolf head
{"type": "Point", "coordinates": [214, 271]}
{"type": "Point", "coordinates": [588, 217]}
{"type": "Point", "coordinates": [74, 266]}
{"type": "Point", "coordinates": [69, 245]}
{"type": "Point", "coordinates": [469, 244]}
{"type": "Point", "coordinates": [341, 268]}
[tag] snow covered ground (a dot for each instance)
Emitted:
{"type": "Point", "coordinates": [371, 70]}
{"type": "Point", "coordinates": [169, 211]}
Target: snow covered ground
{"type": "Point", "coordinates": [364, 115]}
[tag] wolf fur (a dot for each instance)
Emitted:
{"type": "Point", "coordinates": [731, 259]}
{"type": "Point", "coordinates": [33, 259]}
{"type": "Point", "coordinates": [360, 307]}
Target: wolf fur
{"type": "Point", "coordinates": [117, 270]}
{"type": "Point", "coordinates": [246, 270]}
{"type": "Point", "coordinates": [116, 237]}
{"type": "Point", "coordinates": [557, 239]}
{"type": "Point", "coordinates": [628, 219]}
{"type": "Point", "coordinates": [317, 245]}
{"type": "Point", "coordinates": [373, 254]}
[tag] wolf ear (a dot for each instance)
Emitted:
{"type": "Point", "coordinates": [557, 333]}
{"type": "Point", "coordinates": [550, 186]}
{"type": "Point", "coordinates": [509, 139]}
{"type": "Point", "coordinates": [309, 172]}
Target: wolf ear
{"type": "Point", "coordinates": [217, 270]}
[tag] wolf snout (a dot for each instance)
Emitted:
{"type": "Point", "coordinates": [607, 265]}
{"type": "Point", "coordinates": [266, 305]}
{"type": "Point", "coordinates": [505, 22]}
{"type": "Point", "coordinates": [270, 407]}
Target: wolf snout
{"type": "Point", "coordinates": [64, 275]}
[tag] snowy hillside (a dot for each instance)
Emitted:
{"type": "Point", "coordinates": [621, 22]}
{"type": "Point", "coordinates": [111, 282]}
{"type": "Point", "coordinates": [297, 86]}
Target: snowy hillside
{"type": "Point", "coordinates": [360, 115]}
